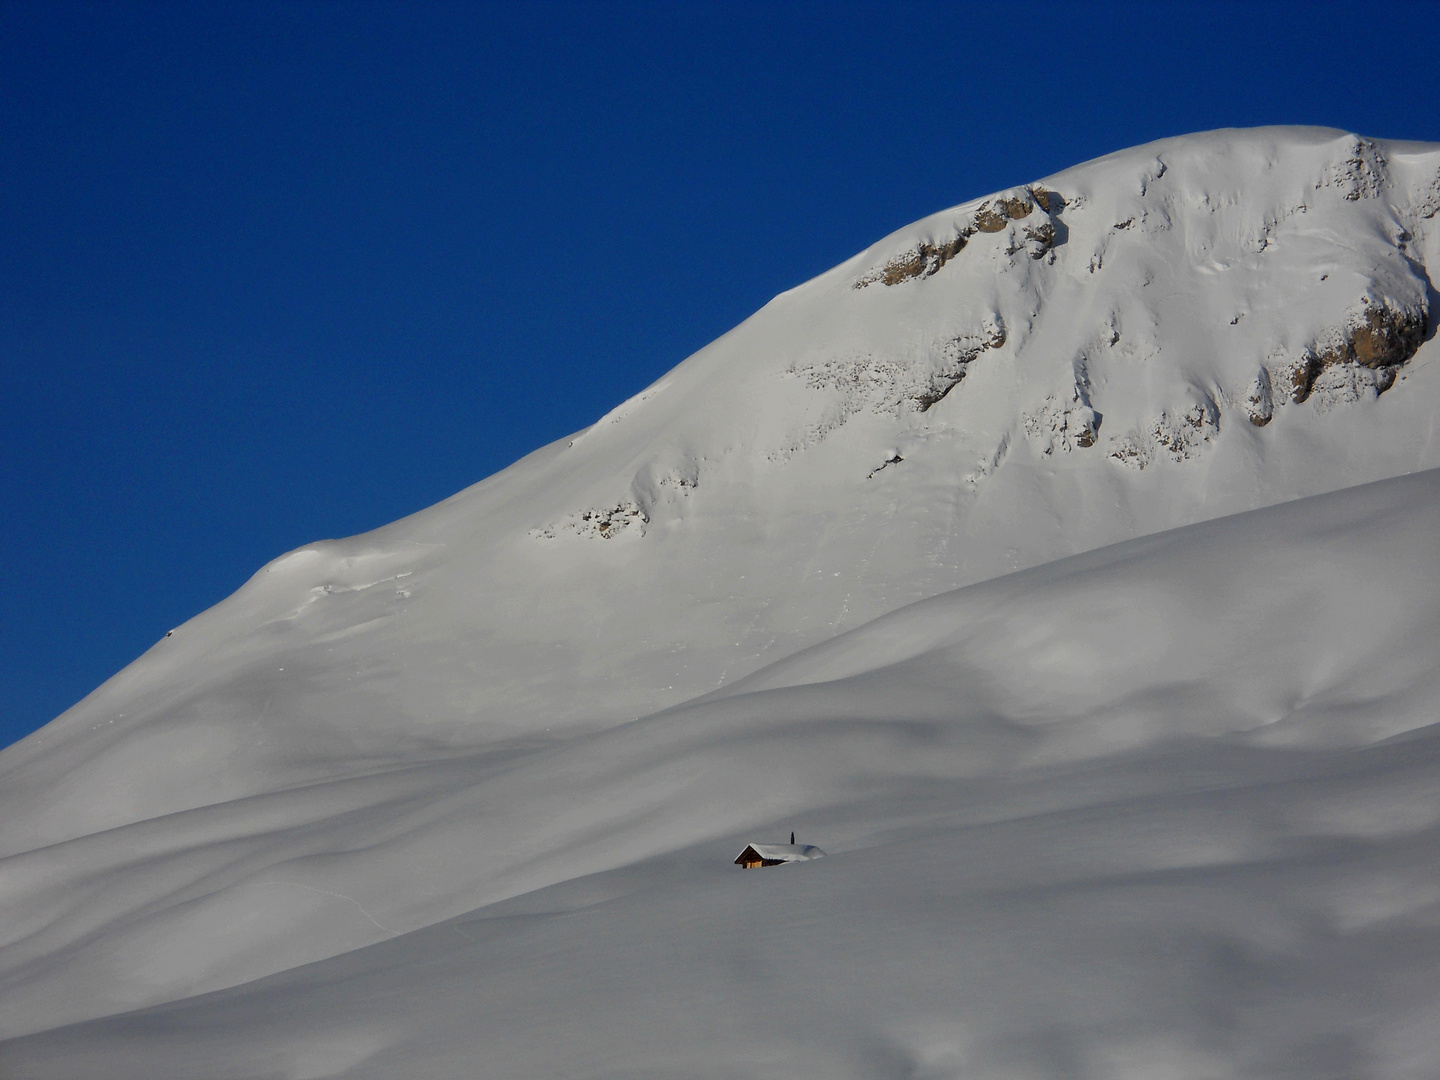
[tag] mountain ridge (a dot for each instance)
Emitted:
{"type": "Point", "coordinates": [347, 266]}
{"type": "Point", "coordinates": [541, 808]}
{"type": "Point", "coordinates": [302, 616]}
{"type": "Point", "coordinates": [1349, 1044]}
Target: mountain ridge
{"type": "Point", "coordinates": [1178, 333]}
{"type": "Point", "coordinates": [804, 412]}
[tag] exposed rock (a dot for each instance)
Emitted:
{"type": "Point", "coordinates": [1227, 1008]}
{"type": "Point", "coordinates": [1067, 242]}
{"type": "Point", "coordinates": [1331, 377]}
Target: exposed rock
{"type": "Point", "coordinates": [892, 457]}
{"type": "Point", "coordinates": [1183, 436]}
{"type": "Point", "coordinates": [892, 385]}
{"type": "Point", "coordinates": [988, 220]}
{"type": "Point", "coordinates": [1016, 208]}
{"type": "Point", "coordinates": [1360, 173]}
{"type": "Point", "coordinates": [1066, 427]}
{"type": "Point", "coordinates": [1298, 377]}
{"type": "Point", "coordinates": [1179, 437]}
{"type": "Point", "coordinates": [1131, 450]}
{"type": "Point", "coordinates": [667, 478]}
{"type": "Point", "coordinates": [919, 262]}
{"type": "Point", "coordinates": [1375, 336]}
{"type": "Point", "coordinates": [1427, 200]}
{"type": "Point", "coordinates": [1155, 171]}
{"type": "Point", "coordinates": [1040, 239]}
{"type": "Point", "coordinates": [1386, 338]}
{"type": "Point", "coordinates": [993, 214]}
{"type": "Point", "coordinates": [1343, 384]}
{"type": "Point", "coordinates": [599, 524]}
{"type": "Point", "coordinates": [958, 354]}
{"type": "Point", "coordinates": [1085, 423]}
{"type": "Point", "coordinates": [1259, 405]}
{"type": "Point", "coordinates": [1052, 202]}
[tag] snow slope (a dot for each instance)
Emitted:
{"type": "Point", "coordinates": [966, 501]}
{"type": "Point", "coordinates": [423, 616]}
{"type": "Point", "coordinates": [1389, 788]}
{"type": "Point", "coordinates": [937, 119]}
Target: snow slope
{"type": "Point", "coordinates": [1164, 809]}
{"type": "Point", "coordinates": [554, 706]}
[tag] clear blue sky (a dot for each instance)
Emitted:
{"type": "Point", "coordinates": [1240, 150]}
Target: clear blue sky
{"type": "Point", "coordinates": [273, 273]}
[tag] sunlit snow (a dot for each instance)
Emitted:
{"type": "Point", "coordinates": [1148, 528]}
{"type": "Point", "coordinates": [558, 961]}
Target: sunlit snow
{"type": "Point", "coordinates": [1062, 567]}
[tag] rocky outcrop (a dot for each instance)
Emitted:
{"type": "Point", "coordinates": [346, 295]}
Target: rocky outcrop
{"type": "Point", "coordinates": [1359, 174]}
{"type": "Point", "coordinates": [958, 354]}
{"type": "Point", "coordinates": [1179, 436]}
{"type": "Point", "coordinates": [920, 262]}
{"type": "Point", "coordinates": [1426, 200]}
{"type": "Point", "coordinates": [1258, 402]}
{"type": "Point", "coordinates": [599, 524]}
{"type": "Point", "coordinates": [1058, 425]}
{"type": "Point", "coordinates": [1355, 360]}
{"type": "Point", "coordinates": [1040, 238]}
{"type": "Point", "coordinates": [1385, 338]}
{"type": "Point", "coordinates": [1367, 348]}
{"type": "Point", "coordinates": [901, 383]}
{"type": "Point", "coordinates": [1052, 202]}
{"type": "Point", "coordinates": [993, 215]}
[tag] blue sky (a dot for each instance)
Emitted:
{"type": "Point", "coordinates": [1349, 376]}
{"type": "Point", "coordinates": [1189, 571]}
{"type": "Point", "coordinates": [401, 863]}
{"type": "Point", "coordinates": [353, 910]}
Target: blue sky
{"type": "Point", "coordinates": [273, 273]}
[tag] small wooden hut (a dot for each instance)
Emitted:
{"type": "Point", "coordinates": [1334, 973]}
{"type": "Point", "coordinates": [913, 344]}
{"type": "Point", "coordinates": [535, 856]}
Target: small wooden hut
{"type": "Point", "coordinates": [776, 854]}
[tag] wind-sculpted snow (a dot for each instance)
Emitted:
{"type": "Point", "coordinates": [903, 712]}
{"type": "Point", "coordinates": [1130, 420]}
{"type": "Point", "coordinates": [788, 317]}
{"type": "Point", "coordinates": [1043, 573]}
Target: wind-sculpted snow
{"type": "Point", "coordinates": [1131, 811]}
{"type": "Point", "coordinates": [1166, 808]}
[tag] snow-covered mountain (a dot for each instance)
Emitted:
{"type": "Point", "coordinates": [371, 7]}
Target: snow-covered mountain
{"type": "Point", "coordinates": [1159, 809]}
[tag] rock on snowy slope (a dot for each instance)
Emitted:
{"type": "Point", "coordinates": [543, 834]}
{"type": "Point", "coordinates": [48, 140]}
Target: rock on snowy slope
{"type": "Point", "coordinates": [1163, 809]}
{"type": "Point", "coordinates": [1172, 333]}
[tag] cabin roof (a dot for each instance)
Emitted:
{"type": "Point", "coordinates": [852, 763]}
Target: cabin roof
{"type": "Point", "coordinates": [783, 852]}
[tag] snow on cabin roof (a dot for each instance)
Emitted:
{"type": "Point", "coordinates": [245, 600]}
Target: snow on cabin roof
{"type": "Point", "coordinates": [784, 852]}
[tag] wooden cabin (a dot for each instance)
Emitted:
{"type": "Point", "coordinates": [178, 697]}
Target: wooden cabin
{"type": "Point", "coordinates": [776, 854]}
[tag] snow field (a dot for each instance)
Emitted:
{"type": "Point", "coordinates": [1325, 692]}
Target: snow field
{"type": "Point", "coordinates": [894, 564]}
{"type": "Point", "coordinates": [1147, 852]}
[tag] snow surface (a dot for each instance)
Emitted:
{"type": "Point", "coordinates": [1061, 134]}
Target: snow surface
{"type": "Point", "coordinates": [460, 797]}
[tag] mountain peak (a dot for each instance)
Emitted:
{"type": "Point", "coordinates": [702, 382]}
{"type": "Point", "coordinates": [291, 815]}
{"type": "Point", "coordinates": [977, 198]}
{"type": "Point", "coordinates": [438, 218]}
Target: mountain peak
{"type": "Point", "coordinates": [1194, 327]}
{"type": "Point", "coordinates": [1178, 332]}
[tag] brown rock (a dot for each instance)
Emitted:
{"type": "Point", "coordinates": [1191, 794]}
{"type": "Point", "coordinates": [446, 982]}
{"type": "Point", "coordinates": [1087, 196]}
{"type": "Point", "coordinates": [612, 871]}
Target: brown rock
{"type": "Point", "coordinates": [988, 220]}
{"type": "Point", "coordinates": [1301, 376]}
{"type": "Point", "coordinates": [1044, 237]}
{"type": "Point", "coordinates": [922, 261]}
{"type": "Point", "coordinates": [1052, 202]}
{"type": "Point", "coordinates": [1016, 208]}
{"type": "Point", "coordinates": [1387, 338]}
{"type": "Point", "coordinates": [1380, 338]}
